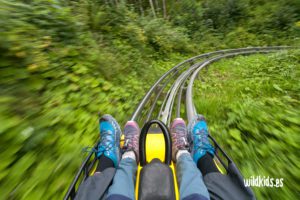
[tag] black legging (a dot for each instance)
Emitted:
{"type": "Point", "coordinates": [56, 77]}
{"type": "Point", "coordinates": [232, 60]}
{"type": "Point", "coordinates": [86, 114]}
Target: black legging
{"type": "Point", "coordinates": [104, 163]}
{"type": "Point", "coordinates": [207, 165]}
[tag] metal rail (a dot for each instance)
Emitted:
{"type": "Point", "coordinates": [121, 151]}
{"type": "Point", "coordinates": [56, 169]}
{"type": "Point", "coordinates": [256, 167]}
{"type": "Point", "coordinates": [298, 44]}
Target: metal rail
{"type": "Point", "coordinates": [146, 98]}
{"type": "Point", "coordinates": [194, 65]}
{"type": "Point", "coordinates": [158, 95]}
{"type": "Point", "coordinates": [190, 107]}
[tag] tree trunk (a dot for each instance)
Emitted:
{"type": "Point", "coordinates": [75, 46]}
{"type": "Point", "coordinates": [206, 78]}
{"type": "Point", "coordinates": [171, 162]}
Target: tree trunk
{"type": "Point", "coordinates": [156, 6]}
{"type": "Point", "coordinates": [165, 9]}
{"type": "Point", "coordinates": [152, 8]}
{"type": "Point", "coordinates": [141, 7]}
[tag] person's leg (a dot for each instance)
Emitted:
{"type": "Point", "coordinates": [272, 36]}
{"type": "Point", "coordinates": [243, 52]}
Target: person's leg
{"type": "Point", "coordinates": [198, 138]}
{"type": "Point", "coordinates": [202, 151]}
{"type": "Point", "coordinates": [220, 186]}
{"type": "Point", "coordinates": [104, 163]}
{"type": "Point", "coordinates": [95, 186]}
{"type": "Point", "coordinates": [109, 145]}
{"type": "Point", "coordinates": [108, 153]}
{"type": "Point", "coordinates": [124, 180]}
{"type": "Point", "coordinates": [207, 165]}
{"type": "Point", "coordinates": [190, 180]}
{"type": "Point", "coordinates": [191, 185]}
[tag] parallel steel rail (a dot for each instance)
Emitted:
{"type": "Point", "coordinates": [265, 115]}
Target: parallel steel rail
{"type": "Point", "coordinates": [185, 72]}
{"type": "Point", "coordinates": [192, 66]}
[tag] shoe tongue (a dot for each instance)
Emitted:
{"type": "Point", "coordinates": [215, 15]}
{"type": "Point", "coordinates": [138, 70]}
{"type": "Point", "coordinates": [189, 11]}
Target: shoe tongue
{"type": "Point", "coordinates": [129, 129]}
{"type": "Point", "coordinates": [106, 126]}
{"type": "Point", "coordinates": [201, 125]}
{"type": "Point", "coordinates": [179, 128]}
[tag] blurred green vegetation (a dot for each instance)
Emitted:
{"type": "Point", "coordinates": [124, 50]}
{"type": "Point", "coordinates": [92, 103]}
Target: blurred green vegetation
{"type": "Point", "coordinates": [63, 61]}
{"type": "Point", "coordinates": [252, 107]}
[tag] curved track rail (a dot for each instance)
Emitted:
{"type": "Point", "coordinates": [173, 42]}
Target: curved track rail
{"type": "Point", "coordinates": [189, 70]}
{"type": "Point", "coordinates": [183, 76]}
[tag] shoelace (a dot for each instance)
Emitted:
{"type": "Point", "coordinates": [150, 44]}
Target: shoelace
{"type": "Point", "coordinates": [132, 138]}
{"type": "Point", "coordinates": [105, 141]}
{"type": "Point", "coordinates": [104, 145]}
{"type": "Point", "coordinates": [202, 138]}
{"type": "Point", "coordinates": [89, 150]}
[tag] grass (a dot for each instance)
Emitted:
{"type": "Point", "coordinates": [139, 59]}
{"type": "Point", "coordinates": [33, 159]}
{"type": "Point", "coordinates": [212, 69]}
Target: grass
{"type": "Point", "coordinates": [252, 107]}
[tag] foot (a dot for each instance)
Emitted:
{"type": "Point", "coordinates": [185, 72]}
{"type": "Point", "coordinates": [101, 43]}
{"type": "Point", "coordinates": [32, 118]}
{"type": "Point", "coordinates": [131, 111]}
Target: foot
{"type": "Point", "coordinates": [110, 134]}
{"type": "Point", "coordinates": [131, 140]}
{"type": "Point", "coordinates": [179, 137]}
{"type": "Point", "coordinates": [198, 137]}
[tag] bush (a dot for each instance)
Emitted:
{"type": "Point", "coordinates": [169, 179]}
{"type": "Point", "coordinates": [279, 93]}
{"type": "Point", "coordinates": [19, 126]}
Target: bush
{"type": "Point", "coordinates": [166, 39]}
{"type": "Point", "coordinates": [252, 103]}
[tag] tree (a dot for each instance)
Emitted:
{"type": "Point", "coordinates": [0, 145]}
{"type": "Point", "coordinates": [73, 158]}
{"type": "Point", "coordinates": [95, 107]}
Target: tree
{"type": "Point", "coordinates": [152, 8]}
{"type": "Point", "coordinates": [165, 9]}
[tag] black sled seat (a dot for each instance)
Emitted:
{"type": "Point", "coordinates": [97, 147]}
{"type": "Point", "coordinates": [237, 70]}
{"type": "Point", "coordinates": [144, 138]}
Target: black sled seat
{"type": "Point", "coordinates": [156, 182]}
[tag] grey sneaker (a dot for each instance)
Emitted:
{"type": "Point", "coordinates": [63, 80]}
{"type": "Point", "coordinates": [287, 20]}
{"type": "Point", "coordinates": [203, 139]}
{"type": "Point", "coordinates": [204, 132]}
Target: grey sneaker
{"type": "Point", "coordinates": [131, 140]}
{"type": "Point", "coordinates": [179, 137]}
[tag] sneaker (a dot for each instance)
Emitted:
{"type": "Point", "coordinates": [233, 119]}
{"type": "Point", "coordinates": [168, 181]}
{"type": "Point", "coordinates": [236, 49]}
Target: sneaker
{"type": "Point", "coordinates": [110, 134]}
{"type": "Point", "coordinates": [131, 140]}
{"type": "Point", "coordinates": [198, 138]}
{"type": "Point", "coordinates": [179, 137]}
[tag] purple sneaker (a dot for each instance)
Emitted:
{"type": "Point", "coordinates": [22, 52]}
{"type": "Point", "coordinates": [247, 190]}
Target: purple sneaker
{"type": "Point", "coordinates": [179, 137]}
{"type": "Point", "coordinates": [131, 140]}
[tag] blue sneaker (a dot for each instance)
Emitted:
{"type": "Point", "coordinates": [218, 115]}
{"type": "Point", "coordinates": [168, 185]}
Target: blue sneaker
{"type": "Point", "coordinates": [110, 134]}
{"type": "Point", "coordinates": [198, 138]}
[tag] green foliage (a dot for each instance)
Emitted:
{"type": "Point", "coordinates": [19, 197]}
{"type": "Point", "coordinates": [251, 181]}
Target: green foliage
{"type": "Point", "coordinates": [190, 15]}
{"type": "Point", "coordinates": [221, 14]}
{"type": "Point", "coordinates": [57, 72]}
{"type": "Point", "coordinates": [252, 107]}
{"type": "Point", "coordinates": [164, 38]}
{"type": "Point", "coordinates": [216, 24]}
{"type": "Point", "coordinates": [62, 62]}
{"type": "Point", "coordinates": [279, 16]}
